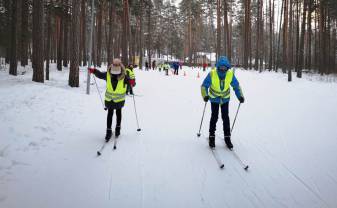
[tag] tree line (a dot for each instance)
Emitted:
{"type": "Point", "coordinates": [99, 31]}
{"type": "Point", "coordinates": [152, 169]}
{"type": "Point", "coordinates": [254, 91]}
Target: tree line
{"type": "Point", "coordinates": [285, 35]}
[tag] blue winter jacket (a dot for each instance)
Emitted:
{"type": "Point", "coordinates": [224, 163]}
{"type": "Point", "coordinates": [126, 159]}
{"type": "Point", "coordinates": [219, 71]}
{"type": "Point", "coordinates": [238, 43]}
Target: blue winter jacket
{"type": "Point", "coordinates": [222, 75]}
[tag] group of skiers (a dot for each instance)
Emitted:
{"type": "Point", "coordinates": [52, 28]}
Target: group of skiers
{"type": "Point", "coordinates": [215, 88]}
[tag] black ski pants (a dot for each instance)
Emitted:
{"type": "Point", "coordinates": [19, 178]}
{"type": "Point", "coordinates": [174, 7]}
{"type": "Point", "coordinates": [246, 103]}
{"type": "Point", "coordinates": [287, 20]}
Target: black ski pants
{"type": "Point", "coordinates": [110, 115]}
{"type": "Point", "coordinates": [214, 118]}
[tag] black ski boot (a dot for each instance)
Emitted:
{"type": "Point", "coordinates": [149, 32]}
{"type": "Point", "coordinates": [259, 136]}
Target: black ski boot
{"type": "Point", "coordinates": [228, 142]}
{"type": "Point", "coordinates": [212, 142]}
{"type": "Point", "coordinates": [108, 135]}
{"type": "Point", "coordinates": [117, 131]}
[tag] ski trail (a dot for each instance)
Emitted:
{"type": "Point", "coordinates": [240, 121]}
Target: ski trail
{"type": "Point", "coordinates": [141, 161]}
{"type": "Point", "coordinates": [110, 184]}
{"type": "Point", "coordinates": [305, 185]}
{"type": "Point", "coordinates": [296, 177]}
{"type": "Point", "coordinates": [332, 178]}
{"type": "Point", "coordinates": [2, 152]}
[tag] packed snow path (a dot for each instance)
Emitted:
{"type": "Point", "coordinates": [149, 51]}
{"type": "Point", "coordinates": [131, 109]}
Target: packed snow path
{"type": "Point", "coordinates": [49, 135]}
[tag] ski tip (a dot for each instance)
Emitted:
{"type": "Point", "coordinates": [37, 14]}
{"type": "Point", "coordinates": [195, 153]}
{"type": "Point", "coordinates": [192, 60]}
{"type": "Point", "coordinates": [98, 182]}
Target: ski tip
{"type": "Point", "coordinates": [222, 166]}
{"type": "Point", "coordinates": [98, 153]}
{"type": "Point", "coordinates": [246, 168]}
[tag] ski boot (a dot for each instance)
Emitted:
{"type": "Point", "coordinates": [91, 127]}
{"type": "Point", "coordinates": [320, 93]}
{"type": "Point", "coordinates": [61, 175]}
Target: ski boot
{"type": "Point", "coordinates": [117, 131]}
{"type": "Point", "coordinates": [108, 135]}
{"type": "Point", "coordinates": [212, 141]}
{"type": "Point", "coordinates": [228, 142]}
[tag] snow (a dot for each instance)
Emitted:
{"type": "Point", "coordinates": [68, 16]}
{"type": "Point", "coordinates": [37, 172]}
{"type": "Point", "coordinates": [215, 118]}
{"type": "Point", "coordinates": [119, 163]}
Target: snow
{"type": "Point", "coordinates": [50, 132]}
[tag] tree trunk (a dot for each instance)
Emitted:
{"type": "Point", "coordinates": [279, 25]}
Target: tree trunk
{"type": "Point", "coordinates": [48, 40]}
{"type": "Point", "coordinates": [227, 40]}
{"type": "Point", "coordinates": [38, 48]}
{"type": "Point", "coordinates": [75, 46]}
{"type": "Point", "coordinates": [125, 32]}
{"type": "Point", "coordinates": [271, 34]}
{"type": "Point", "coordinates": [308, 65]}
{"type": "Point", "coordinates": [8, 16]}
{"type": "Point", "coordinates": [99, 34]}
{"type": "Point", "coordinates": [286, 68]}
{"type": "Point", "coordinates": [66, 36]}
{"type": "Point", "coordinates": [110, 35]}
{"type": "Point", "coordinates": [218, 29]}
{"type": "Point", "coordinates": [297, 65]}
{"type": "Point", "coordinates": [141, 35]}
{"type": "Point", "coordinates": [13, 47]}
{"type": "Point", "coordinates": [246, 48]}
{"type": "Point", "coordinates": [83, 50]}
{"type": "Point", "coordinates": [60, 43]}
{"type": "Point", "coordinates": [301, 55]}
{"type": "Point", "coordinates": [290, 41]}
{"type": "Point", "coordinates": [149, 36]}
{"type": "Point", "coordinates": [257, 55]}
{"type": "Point", "coordinates": [261, 53]}
{"type": "Point", "coordinates": [24, 33]}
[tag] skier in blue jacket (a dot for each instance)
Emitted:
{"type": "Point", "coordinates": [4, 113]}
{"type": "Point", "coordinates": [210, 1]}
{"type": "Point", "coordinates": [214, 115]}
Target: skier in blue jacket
{"type": "Point", "coordinates": [216, 88]}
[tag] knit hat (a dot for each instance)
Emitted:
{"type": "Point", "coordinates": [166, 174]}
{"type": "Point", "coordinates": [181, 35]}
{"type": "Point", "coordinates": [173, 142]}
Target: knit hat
{"type": "Point", "coordinates": [116, 67]}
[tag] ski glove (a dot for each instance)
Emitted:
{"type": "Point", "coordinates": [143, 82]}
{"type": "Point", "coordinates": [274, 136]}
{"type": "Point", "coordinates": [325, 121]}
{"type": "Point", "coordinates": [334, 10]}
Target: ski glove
{"type": "Point", "coordinates": [91, 70]}
{"type": "Point", "coordinates": [206, 98]}
{"type": "Point", "coordinates": [241, 99]}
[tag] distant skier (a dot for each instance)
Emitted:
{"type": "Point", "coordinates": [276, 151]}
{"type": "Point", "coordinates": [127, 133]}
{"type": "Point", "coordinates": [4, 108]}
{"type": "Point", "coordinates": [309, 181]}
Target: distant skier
{"type": "Point", "coordinates": [146, 66]}
{"type": "Point", "coordinates": [176, 67]}
{"type": "Point", "coordinates": [204, 66]}
{"type": "Point", "coordinates": [216, 88]}
{"type": "Point", "coordinates": [131, 74]}
{"type": "Point", "coordinates": [116, 85]}
{"type": "Point", "coordinates": [160, 66]}
{"type": "Point", "coordinates": [166, 68]}
{"type": "Point", "coordinates": [153, 64]}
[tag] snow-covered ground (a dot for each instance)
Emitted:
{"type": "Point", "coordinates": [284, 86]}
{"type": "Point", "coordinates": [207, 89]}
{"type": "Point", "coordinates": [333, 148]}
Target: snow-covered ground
{"type": "Point", "coordinates": [49, 135]}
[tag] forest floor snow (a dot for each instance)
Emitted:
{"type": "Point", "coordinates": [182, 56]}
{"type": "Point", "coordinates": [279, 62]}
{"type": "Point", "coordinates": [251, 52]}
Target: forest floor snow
{"type": "Point", "coordinates": [49, 135]}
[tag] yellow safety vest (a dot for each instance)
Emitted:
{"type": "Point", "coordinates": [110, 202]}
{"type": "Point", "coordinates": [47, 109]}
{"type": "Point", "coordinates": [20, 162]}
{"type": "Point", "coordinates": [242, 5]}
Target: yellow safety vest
{"type": "Point", "coordinates": [130, 73]}
{"type": "Point", "coordinates": [117, 95]}
{"type": "Point", "coordinates": [215, 89]}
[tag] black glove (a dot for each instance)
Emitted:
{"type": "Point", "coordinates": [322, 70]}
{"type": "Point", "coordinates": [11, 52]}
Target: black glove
{"type": "Point", "coordinates": [241, 99]}
{"type": "Point", "coordinates": [206, 98]}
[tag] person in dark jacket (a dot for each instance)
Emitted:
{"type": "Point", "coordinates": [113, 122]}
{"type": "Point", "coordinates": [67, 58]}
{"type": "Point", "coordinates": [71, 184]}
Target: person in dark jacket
{"type": "Point", "coordinates": [153, 65]}
{"type": "Point", "coordinates": [146, 65]}
{"type": "Point", "coordinates": [117, 83]}
{"type": "Point", "coordinates": [176, 67]}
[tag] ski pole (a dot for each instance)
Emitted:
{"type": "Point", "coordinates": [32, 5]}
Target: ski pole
{"type": "Point", "coordinates": [100, 96]}
{"type": "Point", "coordinates": [235, 117]}
{"type": "Point", "coordinates": [134, 104]}
{"type": "Point", "coordinates": [202, 119]}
